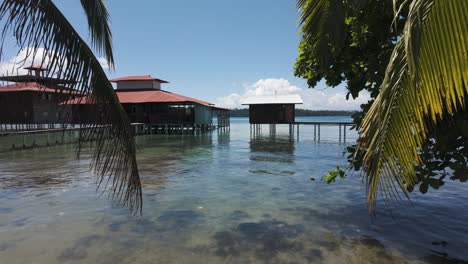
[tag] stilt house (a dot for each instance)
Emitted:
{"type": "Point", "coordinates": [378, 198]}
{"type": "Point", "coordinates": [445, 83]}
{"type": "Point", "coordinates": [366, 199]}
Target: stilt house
{"type": "Point", "coordinates": [145, 102]}
{"type": "Point", "coordinates": [33, 98]}
{"type": "Point", "coordinates": [277, 109]}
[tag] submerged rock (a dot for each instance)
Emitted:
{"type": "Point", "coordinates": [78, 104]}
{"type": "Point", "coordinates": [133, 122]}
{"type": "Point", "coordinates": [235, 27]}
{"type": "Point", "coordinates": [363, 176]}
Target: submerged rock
{"type": "Point", "coordinates": [238, 215]}
{"type": "Point", "coordinates": [270, 228]}
{"type": "Point", "coordinates": [266, 238]}
{"type": "Point", "coordinates": [227, 244]}
{"type": "Point", "coordinates": [115, 226]}
{"type": "Point", "coordinates": [313, 255]}
{"type": "Point", "coordinates": [143, 226]}
{"type": "Point", "coordinates": [370, 242]}
{"type": "Point", "coordinates": [329, 245]}
{"type": "Point", "coordinates": [79, 250]}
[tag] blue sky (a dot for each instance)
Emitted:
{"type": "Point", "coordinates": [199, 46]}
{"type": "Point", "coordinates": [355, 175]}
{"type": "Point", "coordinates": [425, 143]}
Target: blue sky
{"type": "Point", "coordinates": [218, 51]}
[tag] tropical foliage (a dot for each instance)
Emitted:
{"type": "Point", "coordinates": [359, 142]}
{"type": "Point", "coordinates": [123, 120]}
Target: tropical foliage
{"type": "Point", "coordinates": [39, 25]}
{"type": "Point", "coordinates": [412, 56]}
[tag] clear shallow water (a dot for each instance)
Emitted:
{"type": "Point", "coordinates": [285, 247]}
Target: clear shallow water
{"type": "Point", "coordinates": [221, 198]}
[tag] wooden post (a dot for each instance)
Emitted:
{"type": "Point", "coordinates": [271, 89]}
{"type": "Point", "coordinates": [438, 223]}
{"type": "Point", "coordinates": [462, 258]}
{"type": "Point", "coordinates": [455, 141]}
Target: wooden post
{"type": "Point", "coordinates": [297, 132]}
{"type": "Point", "coordinates": [344, 133]}
{"type": "Point", "coordinates": [318, 132]}
{"type": "Point", "coordinates": [315, 132]}
{"type": "Point", "coordinates": [339, 134]}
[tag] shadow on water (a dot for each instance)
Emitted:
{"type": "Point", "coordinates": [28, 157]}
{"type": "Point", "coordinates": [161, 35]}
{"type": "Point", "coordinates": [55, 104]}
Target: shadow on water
{"type": "Point", "coordinates": [270, 151]}
{"type": "Point", "coordinates": [281, 144]}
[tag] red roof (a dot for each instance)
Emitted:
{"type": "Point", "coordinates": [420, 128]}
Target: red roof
{"type": "Point", "coordinates": [35, 87]}
{"type": "Point", "coordinates": [138, 78]}
{"type": "Point", "coordinates": [148, 96]}
{"type": "Point", "coordinates": [26, 86]}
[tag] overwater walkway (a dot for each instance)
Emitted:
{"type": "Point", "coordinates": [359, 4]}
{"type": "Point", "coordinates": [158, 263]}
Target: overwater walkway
{"type": "Point", "coordinates": [294, 128]}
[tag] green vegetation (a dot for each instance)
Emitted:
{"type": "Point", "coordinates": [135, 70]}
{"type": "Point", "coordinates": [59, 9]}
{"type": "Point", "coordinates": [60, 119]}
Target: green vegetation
{"type": "Point", "coordinates": [332, 175]}
{"type": "Point", "coordinates": [411, 56]}
{"type": "Point", "coordinates": [39, 24]}
{"type": "Point", "coordinates": [244, 112]}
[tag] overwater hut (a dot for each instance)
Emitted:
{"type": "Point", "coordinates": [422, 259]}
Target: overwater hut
{"type": "Point", "coordinates": [277, 109]}
{"type": "Point", "coordinates": [33, 98]}
{"type": "Point", "coordinates": [145, 102]}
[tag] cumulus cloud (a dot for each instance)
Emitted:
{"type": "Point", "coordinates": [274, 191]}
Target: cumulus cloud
{"type": "Point", "coordinates": [15, 64]}
{"type": "Point", "coordinates": [313, 99]}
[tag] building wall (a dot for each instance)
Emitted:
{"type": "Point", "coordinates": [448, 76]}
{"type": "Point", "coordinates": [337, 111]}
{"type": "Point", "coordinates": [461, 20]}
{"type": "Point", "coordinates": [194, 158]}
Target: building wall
{"type": "Point", "coordinates": [203, 114]}
{"type": "Point", "coordinates": [271, 113]}
{"type": "Point", "coordinates": [162, 113]}
{"type": "Point", "coordinates": [86, 114]}
{"type": "Point", "coordinates": [129, 85]}
{"type": "Point", "coordinates": [28, 107]}
{"type": "Point", "coordinates": [159, 113]}
{"type": "Point", "coordinates": [47, 109]}
{"type": "Point", "coordinates": [16, 108]}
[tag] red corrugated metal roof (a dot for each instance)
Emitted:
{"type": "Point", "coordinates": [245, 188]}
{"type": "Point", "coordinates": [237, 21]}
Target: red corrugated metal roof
{"type": "Point", "coordinates": [138, 78]}
{"type": "Point", "coordinates": [148, 96]}
{"type": "Point", "coordinates": [36, 87]}
{"type": "Point", "coordinates": [26, 86]}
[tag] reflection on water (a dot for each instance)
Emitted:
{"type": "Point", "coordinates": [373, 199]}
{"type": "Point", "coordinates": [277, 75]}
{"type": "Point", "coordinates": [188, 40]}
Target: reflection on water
{"type": "Point", "coordinates": [219, 198]}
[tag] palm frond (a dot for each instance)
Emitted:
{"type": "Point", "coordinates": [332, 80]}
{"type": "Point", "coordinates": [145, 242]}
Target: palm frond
{"type": "Point", "coordinates": [427, 75]}
{"type": "Point", "coordinates": [99, 28]}
{"type": "Point", "coordinates": [38, 23]}
{"type": "Point", "coordinates": [323, 26]}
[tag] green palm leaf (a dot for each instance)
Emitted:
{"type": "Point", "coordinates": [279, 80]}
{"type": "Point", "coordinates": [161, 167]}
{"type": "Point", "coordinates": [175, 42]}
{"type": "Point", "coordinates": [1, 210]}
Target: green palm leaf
{"type": "Point", "coordinates": [323, 25]}
{"type": "Point", "coordinates": [427, 75]}
{"type": "Point", "coordinates": [38, 23]}
{"type": "Point", "coordinates": [98, 23]}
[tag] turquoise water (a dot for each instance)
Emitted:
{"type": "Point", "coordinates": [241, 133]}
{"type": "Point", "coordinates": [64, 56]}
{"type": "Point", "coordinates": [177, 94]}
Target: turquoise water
{"type": "Point", "coordinates": [221, 198]}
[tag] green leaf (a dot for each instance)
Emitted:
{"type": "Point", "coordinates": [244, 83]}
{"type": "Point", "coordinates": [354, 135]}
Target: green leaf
{"type": "Point", "coordinates": [423, 187]}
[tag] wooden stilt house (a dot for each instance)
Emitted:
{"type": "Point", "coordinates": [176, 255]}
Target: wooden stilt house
{"type": "Point", "coordinates": [277, 109]}
{"type": "Point", "coordinates": [145, 102]}
{"type": "Point", "coordinates": [33, 98]}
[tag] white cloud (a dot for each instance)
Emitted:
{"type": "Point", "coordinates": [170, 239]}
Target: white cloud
{"type": "Point", "coordinates": [103, 63]}
{"type": "Point", "coordinates": [313, 98]}
{"type": "Point", "coordinates": [15, 64]}
{"type": "Point", "coordinates": [24, 58]}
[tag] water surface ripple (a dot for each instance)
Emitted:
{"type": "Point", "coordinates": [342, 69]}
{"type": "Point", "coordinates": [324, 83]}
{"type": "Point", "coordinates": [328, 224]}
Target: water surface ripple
{"type": "Point", "coordinates": [221, 198]}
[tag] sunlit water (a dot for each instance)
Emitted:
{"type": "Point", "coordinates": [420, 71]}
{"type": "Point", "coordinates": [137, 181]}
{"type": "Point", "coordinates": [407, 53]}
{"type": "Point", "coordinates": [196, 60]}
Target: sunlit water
{"type": "Point", "coordinates": [221, 198]}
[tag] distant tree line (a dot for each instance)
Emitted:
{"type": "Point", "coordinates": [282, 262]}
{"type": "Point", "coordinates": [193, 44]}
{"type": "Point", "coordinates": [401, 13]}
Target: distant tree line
{"type": "Point", "coordinates": [244, 112]}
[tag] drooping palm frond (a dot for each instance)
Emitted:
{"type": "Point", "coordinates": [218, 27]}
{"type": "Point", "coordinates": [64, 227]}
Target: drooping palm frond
{"type": "Point", "coordinates": [98, 23]}
{"type": "Point", "coordinates": [39, 24]}
{"type": "Point", "coordinates": [427, 75]}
